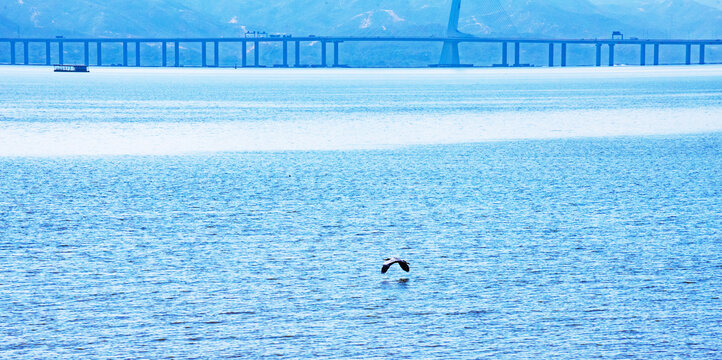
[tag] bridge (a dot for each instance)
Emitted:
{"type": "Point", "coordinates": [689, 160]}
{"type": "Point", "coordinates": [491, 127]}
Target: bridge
{"type": "Point", "coordinates": [174, 45]}
{"type": "Point", "coordinates": [449, 56]}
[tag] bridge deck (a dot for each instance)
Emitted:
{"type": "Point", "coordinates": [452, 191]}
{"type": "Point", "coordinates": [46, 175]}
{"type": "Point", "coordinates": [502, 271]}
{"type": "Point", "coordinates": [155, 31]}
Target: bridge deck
{"type": "Point", "coordinates": [378, 39]}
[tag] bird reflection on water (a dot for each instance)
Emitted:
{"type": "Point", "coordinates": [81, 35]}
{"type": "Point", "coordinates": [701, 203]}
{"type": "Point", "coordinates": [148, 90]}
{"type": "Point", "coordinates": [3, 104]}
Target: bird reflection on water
{"type": "Point", "coordinates": [399, 283]}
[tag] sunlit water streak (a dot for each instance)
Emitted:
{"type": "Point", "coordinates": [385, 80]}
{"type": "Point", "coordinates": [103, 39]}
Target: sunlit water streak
{"type": "Point", "coordinates": [244, 240]}
{"type": "Point", "coordinates": [166, 112]}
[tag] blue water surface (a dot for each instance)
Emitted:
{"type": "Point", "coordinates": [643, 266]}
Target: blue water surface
{"type": "Point", "coordinates": [569, 248]}
{"type": "Point", "coordinates": [542, 249]}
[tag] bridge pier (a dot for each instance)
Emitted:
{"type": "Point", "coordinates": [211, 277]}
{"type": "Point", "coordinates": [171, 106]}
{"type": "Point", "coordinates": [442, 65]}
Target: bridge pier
{"type": "Point", "coordinates": [164, 54]}
{"type": "Point", "coordinates": [517, 54]}
{"type": "Point", "coordinates": [61, 52]}
{"type": "Point", "coordinates": [285, 53]}
{"type": "Point", "coordinates": [86, 53]}
{"type": "Point", "coordinates": [643, 55]}
{"type": "Point", "coordinates": [564, 54]}
{"type": "Point", "coordinates": [137, 53]}
{"type": "Point", "coordinates": [656, 54]}
{"type": "Point", "coordinates": [256, 54]}
{"type": "Point", "coordinates": [47, 53]}
{"type": "Point", "coordinates": [204, 59]}
{"type": "Point", "coordinates": [335, 54]}
{"type": "Point", "coordinates": [450, 54]}
{"type": "Point", "coordinates": [551, 54]}
{"type": "Point", "coordinates": [599, 54]}
{"type": "Point", "coordinates": [701, 54]}
{"type": "Point", "coordinates": [125, 53]}
{"type": "Point", "coordinates": [216, 53]}
{"type": "Point", "coordinates": [12, 52]}
{"type": "Point", "coordinates": [297, 59]}
{"type": "Point", "coordinates": [611, 54]}
{"type": "Point", "coordinates": [99, 55]}
{"type": "Point", "coordinates": [177, 54]}
{"type": "Point", "coordinates": [323, 54]}
{"type": "Point", "coordinates": [244, 55]}
{"type": "Point", "coordinates": [504, 54]}
{"type": "Point", "coordinates": [26, 53]}
{"type": "Point", "coordinates": [688, 54]}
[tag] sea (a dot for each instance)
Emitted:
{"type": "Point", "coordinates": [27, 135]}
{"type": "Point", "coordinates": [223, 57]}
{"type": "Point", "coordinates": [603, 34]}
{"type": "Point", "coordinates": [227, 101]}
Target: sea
{"type": "Point", "coordinates": [151, 213]}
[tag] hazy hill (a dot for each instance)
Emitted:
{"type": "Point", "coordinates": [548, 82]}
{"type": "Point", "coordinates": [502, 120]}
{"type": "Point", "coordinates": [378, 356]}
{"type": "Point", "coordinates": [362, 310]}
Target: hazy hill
{"type": "Point", "coordinates": [699, 18]}
{"type": "Point", "coordinates": [669, 18]}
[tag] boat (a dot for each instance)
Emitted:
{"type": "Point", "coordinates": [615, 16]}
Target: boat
{"type": "Point", "coordinates": [71, 68]}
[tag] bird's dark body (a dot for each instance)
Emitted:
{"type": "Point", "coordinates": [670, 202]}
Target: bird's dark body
{"type": "Point", "coordinates": [394, 260]}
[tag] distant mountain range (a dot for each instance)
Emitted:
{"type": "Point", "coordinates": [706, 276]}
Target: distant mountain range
{"type": "Point", "coordinates": [232, 18]}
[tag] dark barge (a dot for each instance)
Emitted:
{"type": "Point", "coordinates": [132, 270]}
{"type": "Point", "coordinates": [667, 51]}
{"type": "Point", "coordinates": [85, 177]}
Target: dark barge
{"type": "Point", "coordinates": [71, 68]}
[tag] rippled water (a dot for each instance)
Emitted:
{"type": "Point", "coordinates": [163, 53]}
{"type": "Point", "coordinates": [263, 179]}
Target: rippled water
{"type": "Point", "coordinates": [606, 247]}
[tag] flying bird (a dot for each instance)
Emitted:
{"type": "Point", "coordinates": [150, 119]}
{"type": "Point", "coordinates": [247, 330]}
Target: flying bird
{"type": "Point", "coordinates": [390, 261]}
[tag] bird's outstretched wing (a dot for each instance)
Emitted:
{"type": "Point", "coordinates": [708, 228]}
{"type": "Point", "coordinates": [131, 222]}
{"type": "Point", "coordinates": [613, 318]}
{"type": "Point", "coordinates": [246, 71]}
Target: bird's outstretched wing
{"type": "Point", "coordinates": [386, 267]}
{"type": "Point", "coordinates": [404, 265]}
